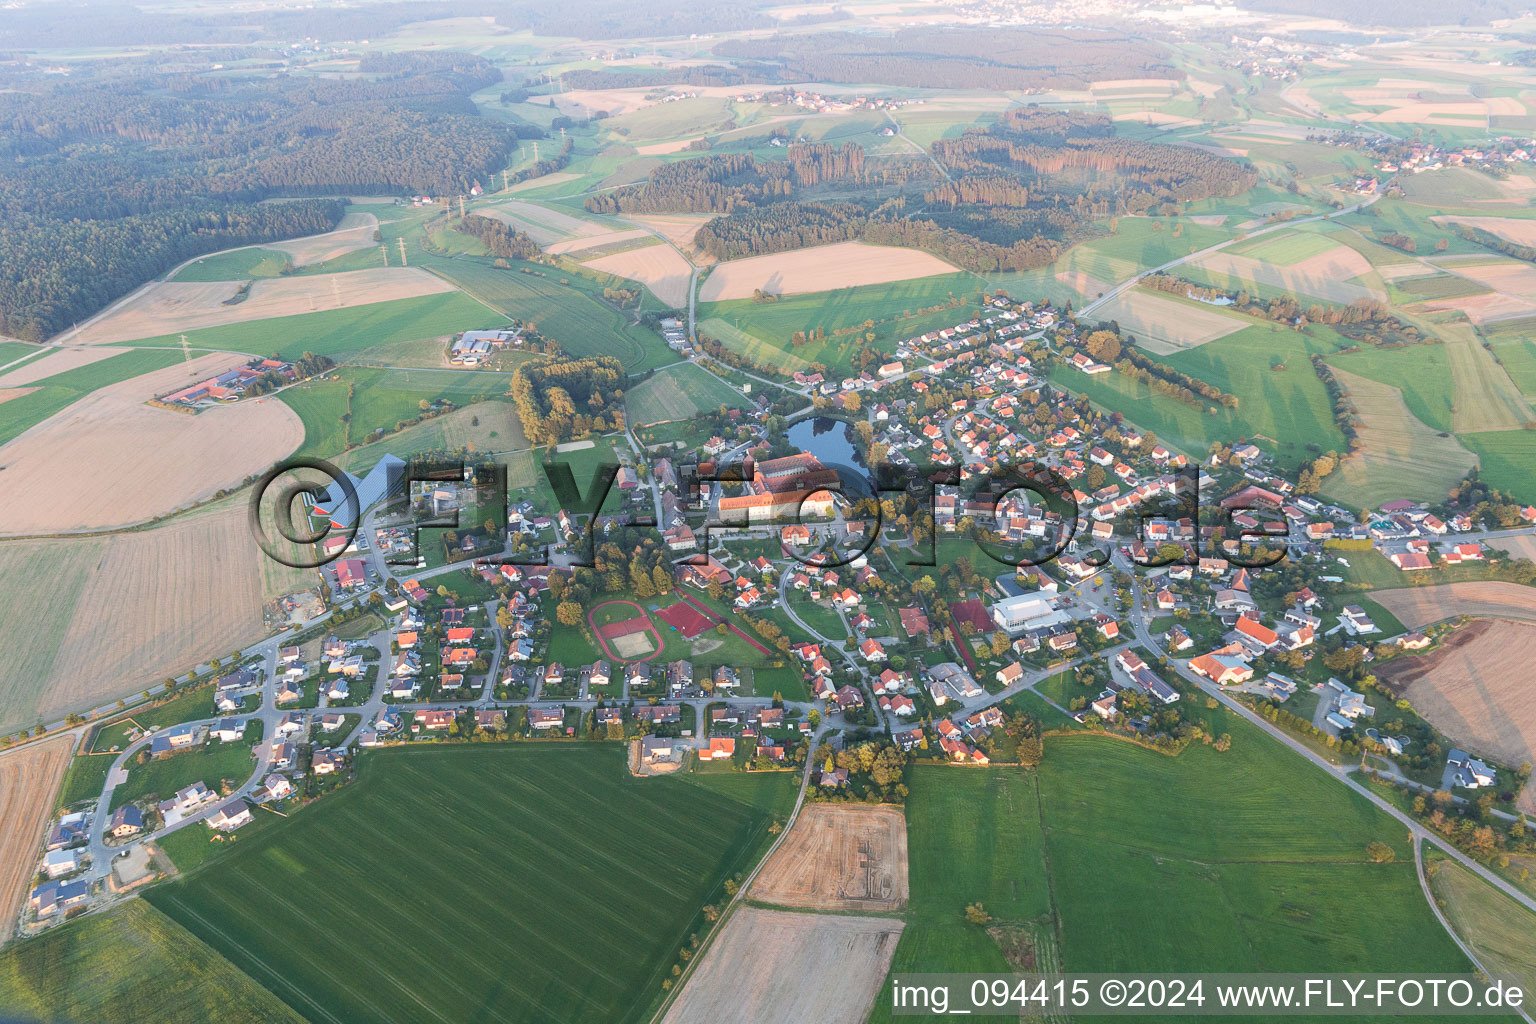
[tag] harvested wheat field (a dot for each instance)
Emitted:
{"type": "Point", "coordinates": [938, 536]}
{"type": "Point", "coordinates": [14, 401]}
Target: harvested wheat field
{"type": "Point", "coordinates": [1519, 546]}
{"type": "Point", "coordinates": [557, 178]}
{"type": "Point", "coordinates": [1486, 308]}
{"type": "Point", "coordinates": [1518, 230]}
{"type": "Point", "coordinates": [596, 241]}
{"type": "Point", "coordinates": [1483, 397]}
{"type": "Point", "coordinates": [839, 858]}
{"type": "Point", "coordinates": [677, 228]}
{"type": "Point", "coordinates": [1326, 275]}
{"type": "Point", "coordinates": [167, 307]}
{"type": "Point", "coordinates": [57, 361]}
{"type": "Point", "coordinates": [1476, 688]}
{"type": "Point", "coordinates": [29, 776]}
{"type": "Point", "coordinates": [659, 267]}
{"type": "Point", "coordinates": [778, 967]}
{"type": "Point", "coordinates": [819, 269]}
{"type": "Point", "coordinates": [354, 232]}
{"type": "Point", "coordinates": [1164, 325]}
{"type": "Point", "coordinates": [542, 224]}
{"type": "Point", "coordinates": [134, 461]}
{"type": "Point", "coordinates": [1507, 276]}
{"type": "Point", "coordinates": [1421, 606]}
{"type": "Point", "coordinates": [1399, 454]}
{"type": "Point", "coordinates": [92, 618]}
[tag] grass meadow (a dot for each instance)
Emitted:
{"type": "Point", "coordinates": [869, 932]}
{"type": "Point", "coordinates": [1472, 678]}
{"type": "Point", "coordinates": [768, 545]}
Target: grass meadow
{"type": "Point", "coordinates": [208, 764]}
{"type": "Point", "coordinates": [763, 330]}
{"type": "Point", "coordinates": [1496, 927]}
{"type": "Point", "coordinates": [1286, 410]}
{"type": "Point", "coordinates": [565, 306]}
{"type": "Point", "coordinates": [131, 965]}
{"type": "Point", "coordinates": [340, 332]}
{"type": "Point", "coordinates": [236, 266]}
{"type": "Point", "coordinates": [678, 393]}
{"type": "Point", "coordinates": [1507, 459]}
{"type": "Point", "coordinates": [490, 882]}
{"type": "Point", "coordinates": [1115, 857]}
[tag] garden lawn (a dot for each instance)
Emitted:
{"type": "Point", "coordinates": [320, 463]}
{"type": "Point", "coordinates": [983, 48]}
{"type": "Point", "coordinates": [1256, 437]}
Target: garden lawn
{"type": "Point", "coordinates": [492, 882]}
{"type": "Point", "coordinates": [208, 764]}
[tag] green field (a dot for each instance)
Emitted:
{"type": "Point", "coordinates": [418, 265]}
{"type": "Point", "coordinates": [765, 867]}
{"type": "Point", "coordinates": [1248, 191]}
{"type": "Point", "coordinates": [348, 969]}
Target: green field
{"type": "Point", "coordinates": [1519, 358]}
{"type": "Point", "coordinates": [564, 306]}
{"type": "Point", "coordinates": [209, 764]}
{"type": "Point", "coordinates": [1287, 407]}
{"type": "Point", "coordinates": [679, 392]}
{"type": "Point", "coordinates": [236, 266]}
{"type": "Point", "coordinates": [1161, 863]}
{"type": "Point", "coordinates": [763, 330]}
{"type": "Point", "coordinates": [1423, 372]}
{"type": "Point", "coordinates": [381, 399]}
{"type": "Point", "coordinates": [506, 882]}
{"type": "Point", "coordinates": [130, 965]}
{"type": "Point", "coordinates": [1508, 460]}
{"type": "Point", "coordinates": [340, 332]}
{"type": "Point", "coordinates": [1497, 928]}
{"type": "Point", "coordinates": [1285, 248]}
{"type": "Point", "coordinates": [63, 389]}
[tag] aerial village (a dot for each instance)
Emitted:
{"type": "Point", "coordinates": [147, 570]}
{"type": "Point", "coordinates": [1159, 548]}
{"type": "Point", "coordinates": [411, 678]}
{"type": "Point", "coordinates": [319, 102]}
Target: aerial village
{"type": "Point", "coordinates": [741, 607]}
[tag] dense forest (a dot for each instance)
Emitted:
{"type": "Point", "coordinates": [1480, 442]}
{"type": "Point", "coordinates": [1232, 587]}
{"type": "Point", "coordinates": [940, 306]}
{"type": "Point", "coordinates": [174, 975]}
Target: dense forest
{"type": "Point", "coordinates": [561, 398]}
{"type": "Point", "coordinates": [968, 58]}
{"type": "Point", "coordinates": [501, 239]}
{"type": "Point", "coordinates": [106, 182]}
{"type": "Point", "coordinates": [1025, 188]}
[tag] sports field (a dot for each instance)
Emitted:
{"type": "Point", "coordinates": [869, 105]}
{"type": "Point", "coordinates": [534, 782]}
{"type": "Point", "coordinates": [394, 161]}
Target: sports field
{"type": "Point", "coordinates": [1110, 862]}
{"type": "Point", "coordinates": [678, 392]}
{"type": "Point", "coordinates": [504, 882]}
{"type": "Point", "coordinates": [131, 965]}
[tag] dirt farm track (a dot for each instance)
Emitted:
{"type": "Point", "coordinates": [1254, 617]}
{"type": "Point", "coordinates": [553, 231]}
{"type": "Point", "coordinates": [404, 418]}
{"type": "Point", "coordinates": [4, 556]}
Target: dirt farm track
{"type": "Point", "coordinates": [839, 858]}
{"type": "Point", "coordinates": [29, 777]}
